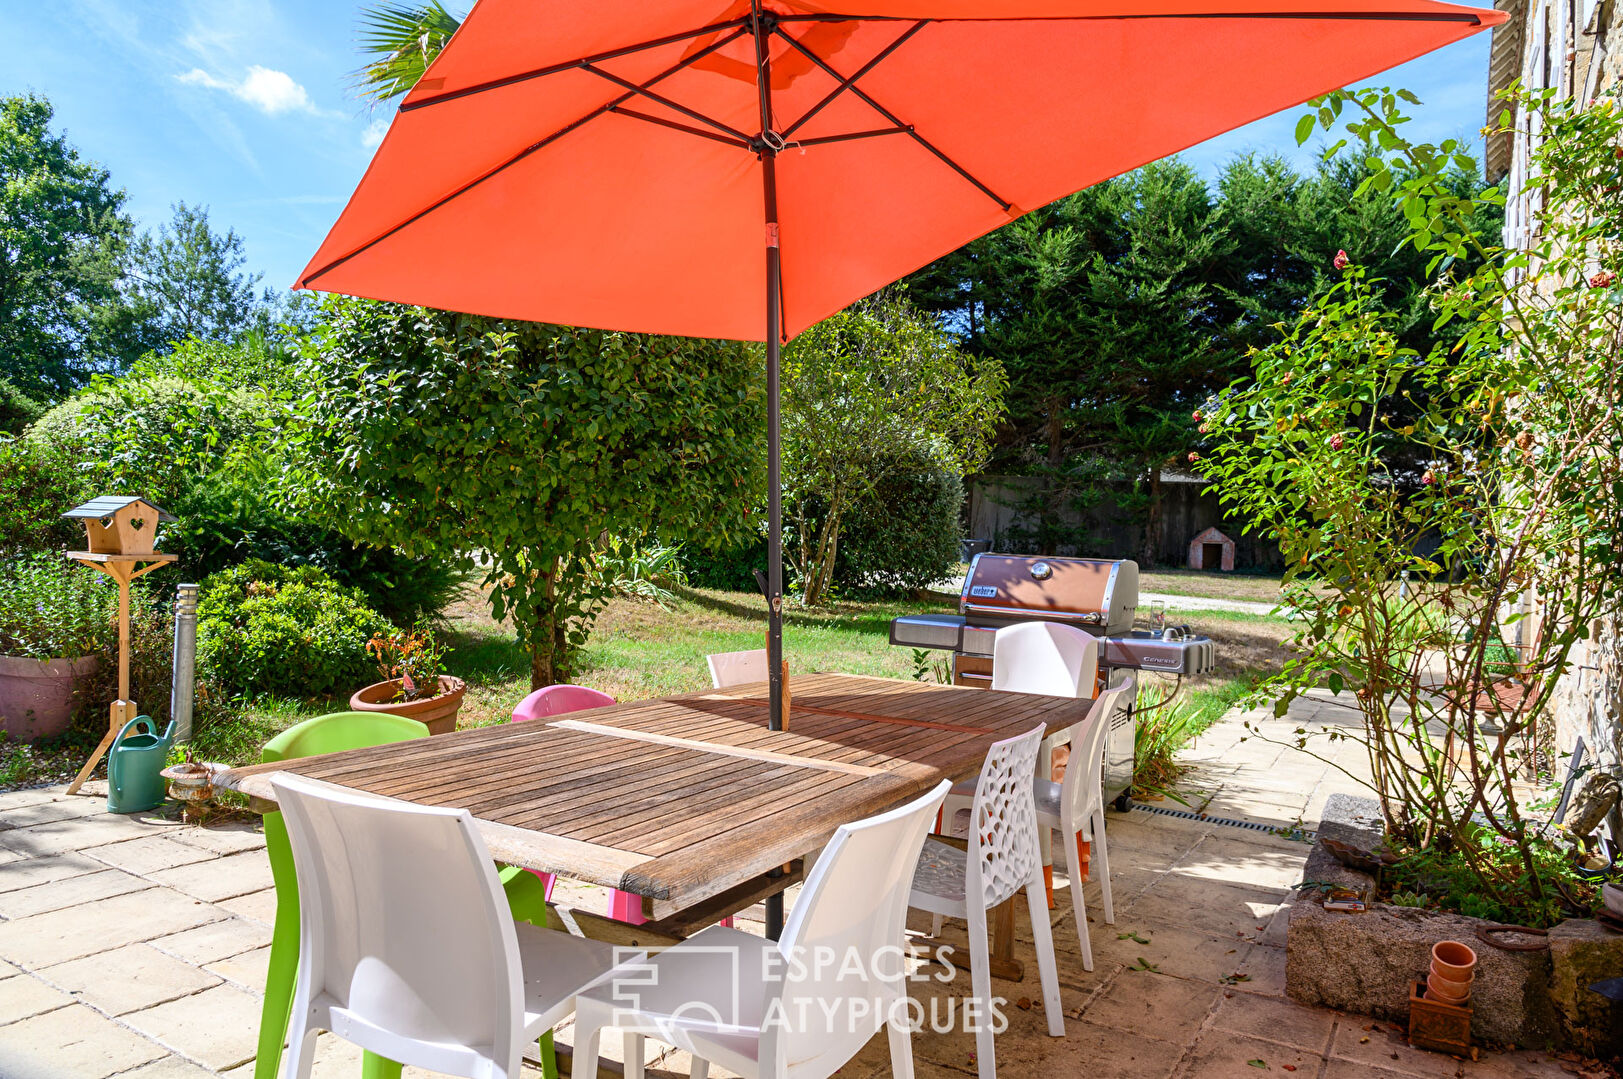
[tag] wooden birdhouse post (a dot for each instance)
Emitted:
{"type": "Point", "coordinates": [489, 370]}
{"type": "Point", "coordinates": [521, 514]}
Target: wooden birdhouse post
{"type": "Point", "coordinates": [120, 532]}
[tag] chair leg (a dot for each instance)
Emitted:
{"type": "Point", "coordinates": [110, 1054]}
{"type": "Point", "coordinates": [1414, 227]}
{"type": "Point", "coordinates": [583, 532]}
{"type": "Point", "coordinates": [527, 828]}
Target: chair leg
{"type": "Point", "coordinates": [1079, 907]}
{"type": "Point", "coordinates": [284, 967]}
{"type": "Point", "coordinates": [1102, 852]}
{"type": "Point", "coordinates": [301, 1050]}
{"type": "Point", "coordinates": [980, 981]}
{"type": "Point", "coordinates": [936, 922]}
{"type": "Point", "coordinates": [633, 1055]}
{"type": "Point", "coordinates": [700, 1069]}
{"type": "Point", "coordinates": [588, 1040]}
{"type": "Point", "coordinates": [1046, 963]}
{"type": "Point", "coordinates": [901, 1049]}
{"type": "Point", "coordinates": [376, 1067]}
{"type": "Point", "coordinates": [625, 907]}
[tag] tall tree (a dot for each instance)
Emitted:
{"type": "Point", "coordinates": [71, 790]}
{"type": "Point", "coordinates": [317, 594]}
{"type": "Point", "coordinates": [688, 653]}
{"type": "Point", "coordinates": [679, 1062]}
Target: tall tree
{"type": "Point", "coordinates": [62, 235]}
{"type": "Point", "coordinates": [520, 445]}
{"type": "Point", "coordinates": [868, 392]}
{"type": "Point", "coordinates": [399, 42]}
{"type": "Point", "coordinates": [188, 281]}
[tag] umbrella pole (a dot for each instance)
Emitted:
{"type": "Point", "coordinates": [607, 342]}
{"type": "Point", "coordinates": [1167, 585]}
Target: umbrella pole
{"type": "Point", "coordinates": [774, 444]}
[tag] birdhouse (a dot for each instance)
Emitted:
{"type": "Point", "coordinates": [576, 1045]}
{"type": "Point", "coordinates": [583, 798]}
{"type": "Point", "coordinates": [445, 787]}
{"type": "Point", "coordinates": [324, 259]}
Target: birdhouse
{"type": "Point", "coordinates": [120, 524]}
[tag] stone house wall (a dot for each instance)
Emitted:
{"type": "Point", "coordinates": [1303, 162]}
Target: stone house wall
{"type": "Point", "coordinates": [1575, 46]}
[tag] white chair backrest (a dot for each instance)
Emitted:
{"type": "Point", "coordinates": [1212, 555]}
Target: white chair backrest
{"type": "Point", "coordinates": [404, 928]}
{"type": "Point", "coordinates": [1045, 657]}
{"type": "Point", "coordinates": [1003, 850]}
{"type": "Point", "coordinates": [736, 668]}
{"type": "Point", "coordinates": [851, 914]}
{"type": "Point", "coordinates": [1083, 789]}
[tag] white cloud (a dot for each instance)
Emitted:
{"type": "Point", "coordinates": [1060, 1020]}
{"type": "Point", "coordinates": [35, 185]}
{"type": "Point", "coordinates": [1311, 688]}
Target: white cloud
{"type": "Point", "coordinates": [373, 135]}
{"type": "Point", "coordinates": [266, 89]}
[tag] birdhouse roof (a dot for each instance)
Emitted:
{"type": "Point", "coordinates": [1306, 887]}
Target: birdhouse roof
{"type": "Point", "coordinates": [107, 505]}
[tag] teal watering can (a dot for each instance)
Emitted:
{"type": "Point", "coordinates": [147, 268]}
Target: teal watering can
{"type": "Point", "coordinates": [134, 767]}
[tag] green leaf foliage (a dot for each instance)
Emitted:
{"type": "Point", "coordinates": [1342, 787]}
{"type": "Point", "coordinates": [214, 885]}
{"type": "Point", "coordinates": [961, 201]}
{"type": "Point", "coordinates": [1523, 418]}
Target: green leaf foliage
{"type": "Point", "coordinates": [520, 445]}
{"type": "Point", "coordinates": [51, 608]}
{"type": "Point", "coordinates": [289, 631]}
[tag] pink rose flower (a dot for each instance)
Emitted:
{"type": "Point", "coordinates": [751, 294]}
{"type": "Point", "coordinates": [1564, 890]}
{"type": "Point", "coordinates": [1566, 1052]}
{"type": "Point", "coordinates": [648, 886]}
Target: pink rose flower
{"type": "Point", "coordinates": [1340, 261]}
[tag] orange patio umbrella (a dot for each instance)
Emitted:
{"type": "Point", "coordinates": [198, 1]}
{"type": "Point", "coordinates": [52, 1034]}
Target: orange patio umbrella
{"type": "Point", "coordinates": [743, 170]}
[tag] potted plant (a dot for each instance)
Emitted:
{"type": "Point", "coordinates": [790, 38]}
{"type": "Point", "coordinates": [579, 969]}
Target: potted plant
{"type": "Point", "coordinates": [413, 681]}
{"type": "Point", "coordinates": [55, 621]}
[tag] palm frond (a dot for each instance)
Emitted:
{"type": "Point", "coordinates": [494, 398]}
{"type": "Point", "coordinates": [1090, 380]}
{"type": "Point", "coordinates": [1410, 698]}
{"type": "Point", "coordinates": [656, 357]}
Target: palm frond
{"type": "Point", "coordinates": [399, 41]}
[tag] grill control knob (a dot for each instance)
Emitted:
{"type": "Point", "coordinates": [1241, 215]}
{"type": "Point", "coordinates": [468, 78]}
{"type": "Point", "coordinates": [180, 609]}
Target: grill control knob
{"type": "Point", "coordinates": [1093, 618]}
{"type": "Point", "coordinates": [1041, 571]}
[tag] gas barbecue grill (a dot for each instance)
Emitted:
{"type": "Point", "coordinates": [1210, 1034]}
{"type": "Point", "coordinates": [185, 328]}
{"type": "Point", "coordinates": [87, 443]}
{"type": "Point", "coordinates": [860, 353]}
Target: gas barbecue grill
{"type": "Point", "coordinates": [1094, 595]}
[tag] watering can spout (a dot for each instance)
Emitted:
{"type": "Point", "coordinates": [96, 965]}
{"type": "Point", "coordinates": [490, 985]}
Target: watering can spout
{"type": "Point", "coordinates": [135, 765]}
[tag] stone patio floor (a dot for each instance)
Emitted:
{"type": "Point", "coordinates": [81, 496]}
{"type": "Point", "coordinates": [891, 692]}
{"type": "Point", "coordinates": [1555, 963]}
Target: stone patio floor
{"type": "Point", "coordinates": [137, 946]}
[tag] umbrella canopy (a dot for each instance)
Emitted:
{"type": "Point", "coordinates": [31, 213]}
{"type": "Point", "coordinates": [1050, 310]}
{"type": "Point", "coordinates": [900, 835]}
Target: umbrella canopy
{"type": "Point", "coordinates": [597, 163]}
{"type": "Point", "coordinates": [696, 168]}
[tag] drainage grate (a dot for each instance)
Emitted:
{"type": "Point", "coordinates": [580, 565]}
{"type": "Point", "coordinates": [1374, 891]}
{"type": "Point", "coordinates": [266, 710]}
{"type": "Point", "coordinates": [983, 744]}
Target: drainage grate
{"type": "Point", "coordinates": [1306, 835]}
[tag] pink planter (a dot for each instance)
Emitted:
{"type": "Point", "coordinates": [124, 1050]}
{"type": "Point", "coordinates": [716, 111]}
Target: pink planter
{"type": "Point", "coordinates": [36, 695]}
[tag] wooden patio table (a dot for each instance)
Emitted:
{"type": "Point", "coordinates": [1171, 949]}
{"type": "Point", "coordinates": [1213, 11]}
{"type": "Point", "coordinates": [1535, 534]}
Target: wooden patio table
{"type": "Point", "coordinates": [690, 801]}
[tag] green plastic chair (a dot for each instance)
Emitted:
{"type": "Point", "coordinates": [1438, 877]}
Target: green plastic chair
{"type": "Point", "coordinates": [334, 734]}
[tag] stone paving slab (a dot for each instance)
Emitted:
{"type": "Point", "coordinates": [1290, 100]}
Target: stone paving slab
{"type": "Point", "coordinates": [136, 948]}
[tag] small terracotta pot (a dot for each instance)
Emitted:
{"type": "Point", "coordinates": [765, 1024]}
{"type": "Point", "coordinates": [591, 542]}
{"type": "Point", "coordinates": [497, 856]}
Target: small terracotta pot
{"type": "Point", "coordinates": [1452, 987]}
{"type": "Point", "coordinates": [1452, 960]}
{"type": "Point", "coordinates": [437, 713]}
{"type": "Point", "coordinates": [1447, 992]}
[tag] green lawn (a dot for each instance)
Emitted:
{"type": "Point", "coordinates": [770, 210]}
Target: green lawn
{"type": "Point", "coordinates": [640, 650]}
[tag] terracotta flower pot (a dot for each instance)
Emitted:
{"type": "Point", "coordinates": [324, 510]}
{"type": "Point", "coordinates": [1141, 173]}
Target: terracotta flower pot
{"type": "Point", "coordinates": [36, 695]}
{"type": "Point", "coordinates": [437, 713]}
{"type": "Point", "coordinates": [1447, 990]}
{"type": "Point", "coordinates": [1452, 960]}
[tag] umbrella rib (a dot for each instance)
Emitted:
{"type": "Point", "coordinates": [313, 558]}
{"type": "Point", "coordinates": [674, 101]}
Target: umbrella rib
{"type": "Point", "coordinates": [823, 140]}
{"type": "Point", "coordinates": [570, 65]}
{"type": "Point", "coordinates": [667, 102]}
{"type": "Point", "coordinates": [522, 154]}
{"type": "Point", "coordinates": [1004, 204]}
{"type": "Point", "coordinates": [846, 84]}
{"type": "Point", "coordinates": [690, 129]}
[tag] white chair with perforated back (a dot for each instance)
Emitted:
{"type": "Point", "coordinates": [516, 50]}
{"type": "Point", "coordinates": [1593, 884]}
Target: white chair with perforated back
{"type": "Point", "coordinates": [1001, 860]}
{"type": "Point", "coordinates": [781, 1009]}
{"type": "Point", "coordinates": [1048, 658]}
{"type": "Point", "coordinates": [737, 668]}
{"type": "Point", "coordinates": [406, 945]}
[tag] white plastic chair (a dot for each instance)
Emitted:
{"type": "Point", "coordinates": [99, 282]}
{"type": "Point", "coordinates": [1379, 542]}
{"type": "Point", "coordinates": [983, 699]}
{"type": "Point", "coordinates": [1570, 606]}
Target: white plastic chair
{"type": "Point", "coordinates": [781, 1009]}
{"type": "Point", "coordinates": [1001, 860]}
{"type": "Point", "coordinates": [1076, 807]}
{"type": "Point", "coordinates": [407, 948]}
{"type": "Point", "coordinates": [1050, 658]}
{"type": "Point", "coordinates": [736, 668]}
{"type": "Point", "coordinates": [1045, 657]}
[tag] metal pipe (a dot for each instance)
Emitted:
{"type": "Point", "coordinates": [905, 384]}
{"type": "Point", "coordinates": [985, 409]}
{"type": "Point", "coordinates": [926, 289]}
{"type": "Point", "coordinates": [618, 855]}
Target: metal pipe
{"type": "Point", "coordinates": [769, 143]}
{"type": "Point", "coordinates": [184, 669]}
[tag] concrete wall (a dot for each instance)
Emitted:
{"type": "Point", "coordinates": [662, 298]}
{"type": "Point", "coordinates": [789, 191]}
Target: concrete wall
{"type": "Point", "coordinates": [1187, 508]}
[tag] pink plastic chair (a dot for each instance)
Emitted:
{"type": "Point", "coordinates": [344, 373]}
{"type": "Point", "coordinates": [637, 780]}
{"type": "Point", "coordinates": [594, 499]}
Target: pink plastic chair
{"type": "Point", "coordinates": [555, 701]}
{"type": "Point", "coordinates": [560, 700]}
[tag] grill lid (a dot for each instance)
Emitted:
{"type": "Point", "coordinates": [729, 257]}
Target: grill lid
{"type": "Point", "coordinates": [1091, 592]}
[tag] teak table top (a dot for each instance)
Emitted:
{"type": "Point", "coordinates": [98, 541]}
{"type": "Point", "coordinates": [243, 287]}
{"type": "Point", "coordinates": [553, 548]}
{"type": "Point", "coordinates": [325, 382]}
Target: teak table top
{"type": "Point", "coordinates": [680, 798]}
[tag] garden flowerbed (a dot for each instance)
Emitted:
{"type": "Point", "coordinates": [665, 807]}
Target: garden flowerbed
{"type": "Point", "coordinates": [1367, 962]}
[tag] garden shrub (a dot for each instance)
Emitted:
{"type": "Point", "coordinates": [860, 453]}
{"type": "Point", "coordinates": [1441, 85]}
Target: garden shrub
{"type": "Point", "coordinates": [38, 483]}
{"type": "Point", "coordinates": [287, 630]}
{"type": "Point", "coordinates": [233, 516]}
{"type": "Point", "coordinates": [17, 409]}
{"type": "Point", "coordinates": [154, 436]}
{"type": "Point", "coordinates": [53, 609]}
{"type": "Point", "coordinates": [905, 534]}
{"type": "Point", "coordinates": [730, 568]}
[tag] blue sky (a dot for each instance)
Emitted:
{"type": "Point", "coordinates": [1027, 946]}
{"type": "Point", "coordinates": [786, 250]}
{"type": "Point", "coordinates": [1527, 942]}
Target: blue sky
{"type": "Point", "coordinates": [243, 106]}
